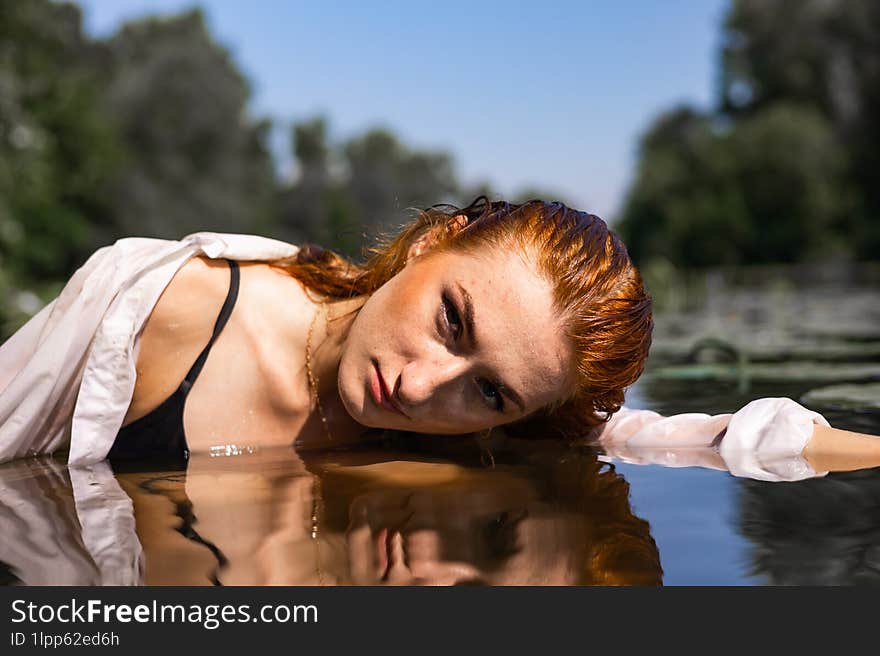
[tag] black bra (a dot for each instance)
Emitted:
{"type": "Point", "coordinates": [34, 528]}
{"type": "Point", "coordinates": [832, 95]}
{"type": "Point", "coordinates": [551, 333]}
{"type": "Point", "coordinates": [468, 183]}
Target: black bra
{"type": "Point", "coordinates": [160, 435]}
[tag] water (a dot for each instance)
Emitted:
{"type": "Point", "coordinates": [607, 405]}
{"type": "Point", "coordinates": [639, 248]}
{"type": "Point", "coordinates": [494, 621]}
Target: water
{"type": "Point", "coordinates": [787, 336]}
{"type": "Point", "coordinates": [510, 513]}
{"type": "Point", "coordinates": [457, 511]}
{"type": "Point", "coordinates": [371, 516]}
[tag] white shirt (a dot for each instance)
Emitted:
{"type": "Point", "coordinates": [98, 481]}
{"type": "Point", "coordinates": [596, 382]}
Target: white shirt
{"type": "Point", "coordinates": [763, 440]}
{"type": "Point", "coordinates": [67, 376]}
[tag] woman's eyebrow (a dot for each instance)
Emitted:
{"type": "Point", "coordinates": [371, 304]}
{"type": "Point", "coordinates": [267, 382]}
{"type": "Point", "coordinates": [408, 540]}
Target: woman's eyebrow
{"type": "Point", "coordinates": [468, 318]}
{"type": "Point", "coordinates": [468, 314]}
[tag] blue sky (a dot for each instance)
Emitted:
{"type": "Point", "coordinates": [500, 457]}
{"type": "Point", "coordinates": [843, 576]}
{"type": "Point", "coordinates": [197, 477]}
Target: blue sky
{"type": "Point", "coordinates": [550, 93]}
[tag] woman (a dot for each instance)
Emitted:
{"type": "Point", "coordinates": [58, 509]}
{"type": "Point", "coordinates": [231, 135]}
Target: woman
{"type": "Point", "coordinates": [368, 517]}
{"type": "Point", "coordinates": [491, 315]}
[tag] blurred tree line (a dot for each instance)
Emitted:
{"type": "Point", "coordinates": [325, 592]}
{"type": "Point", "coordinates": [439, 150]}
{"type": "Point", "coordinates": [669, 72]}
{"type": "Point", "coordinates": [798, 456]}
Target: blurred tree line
{"type": "Point", "coordinates": [786, 167]}
{"type": "Point", "coordinates": [147, 133]}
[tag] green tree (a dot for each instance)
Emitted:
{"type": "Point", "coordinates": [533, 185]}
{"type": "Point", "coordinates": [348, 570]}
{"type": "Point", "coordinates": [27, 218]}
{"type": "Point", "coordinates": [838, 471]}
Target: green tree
{"type": "Point", "coordinates": [823, 54]}
{"type": "Point", "coordinates": [792, 173]}
{"type": "Point", "coordinates": [195, 160]}
{"type": "Point", "coordinates": [787, 166]}
{"type": "Point", "coordinates": [386, 178]}
{"type": "Point", "coordinates": [346, 193]}
{"type": "Point", "coordinates": [768, 189]}
{"type": "Point", "coordinates": [315, 207]}
{"type": "Point", "coordinates": [685, 204]}
{"type": "Point", "coordinates": [57, 150]}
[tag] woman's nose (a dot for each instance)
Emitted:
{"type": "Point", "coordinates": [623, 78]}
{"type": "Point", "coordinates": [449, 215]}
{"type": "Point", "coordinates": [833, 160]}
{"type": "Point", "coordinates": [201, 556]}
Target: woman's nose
{"type": "Point", "coordinates": [421, 380]}
{"type": "Point", "coordinates": [425, 549]}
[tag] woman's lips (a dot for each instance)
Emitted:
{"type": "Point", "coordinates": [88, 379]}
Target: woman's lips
{"type": "Point", "coordinates": [381, 394]}
{"type": "Point", "coordinates": [382, 552]}
{"type": "Point", "coordinates": [391, 555]}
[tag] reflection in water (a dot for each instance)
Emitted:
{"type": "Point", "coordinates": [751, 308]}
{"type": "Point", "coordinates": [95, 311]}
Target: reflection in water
{"type": "Point", "coordinates": [822, 531]}
{"type": "Point", "coordinates": [386, 518]}
{"type": "Point", "coordinates": [66, 527]}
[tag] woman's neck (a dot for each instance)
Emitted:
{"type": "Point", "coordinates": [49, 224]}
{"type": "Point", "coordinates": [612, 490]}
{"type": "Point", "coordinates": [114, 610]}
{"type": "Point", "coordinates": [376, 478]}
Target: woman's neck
{"type": "Point", "coordinates": [330, 330]}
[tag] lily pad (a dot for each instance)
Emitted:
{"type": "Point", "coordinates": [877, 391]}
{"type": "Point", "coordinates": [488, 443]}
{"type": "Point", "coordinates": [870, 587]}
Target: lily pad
{"type": "Point", "coordinates": [777, 350]}
{"type": "Point", "coordinates": [786, 372]}
{"type": "Point", "coordinates": [849, 397]}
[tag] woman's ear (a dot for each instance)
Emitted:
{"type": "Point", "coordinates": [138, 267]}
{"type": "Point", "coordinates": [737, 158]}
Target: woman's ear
{"type": "Point", "coordinates": [432, 236]}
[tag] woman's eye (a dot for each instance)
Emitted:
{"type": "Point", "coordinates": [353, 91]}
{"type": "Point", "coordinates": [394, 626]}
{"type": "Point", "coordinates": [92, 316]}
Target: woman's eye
{"type": "Point", "coordinates": [500, 533]}
{"type": "Point", "coordinates": [453, 320]}
{"type": "Point", "coordinates": [497, 522]}
{"type": "Point", "coordinates": [492, 394]}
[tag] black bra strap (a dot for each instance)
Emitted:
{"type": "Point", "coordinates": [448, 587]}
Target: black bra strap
{"type": "Point", "coordinates": [222, 318]}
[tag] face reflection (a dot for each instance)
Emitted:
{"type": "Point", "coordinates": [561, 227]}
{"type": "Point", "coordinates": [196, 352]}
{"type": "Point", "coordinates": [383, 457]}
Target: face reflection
{"type": "Point", "coordinates": [487, 529]}
{"type": "Point", "coordinates": [455, 343]}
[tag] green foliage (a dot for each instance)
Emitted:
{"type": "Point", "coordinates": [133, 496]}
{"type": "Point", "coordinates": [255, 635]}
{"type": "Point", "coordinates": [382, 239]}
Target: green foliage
{"type": "Point", "coordinates": [346, 193]}
{"type": "Point", "coordinates": [386, 178]}
{"type": "Point", "coordinates": [786, 169]}
{"type": "Point", "coordinates": [56, 148]}
{"type": "Point", "coordinates": [769, 189]}
{"type": "Point", "coordinates": [825, 54]}
{"type": "Point", "coordinates": [194, 159]}
{"type": "Point", "coordinates": [57, 152]}
{"type": "Point", "coordinates": [148, 133]}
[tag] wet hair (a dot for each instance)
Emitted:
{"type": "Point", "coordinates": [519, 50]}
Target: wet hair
{"type": "Point", "coordinates": [598, 293]}
{"type": "Point", "coordinates": [621, 550]}
{"type": "Point", "coordinates": [618, 548]}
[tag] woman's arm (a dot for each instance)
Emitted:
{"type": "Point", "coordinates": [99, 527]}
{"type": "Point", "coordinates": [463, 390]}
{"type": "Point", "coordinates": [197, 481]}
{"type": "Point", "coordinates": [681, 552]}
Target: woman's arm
{"type": "Point", "coordinates": [769, 439]}
{"type": "Point", "coordinates": [832, 449]}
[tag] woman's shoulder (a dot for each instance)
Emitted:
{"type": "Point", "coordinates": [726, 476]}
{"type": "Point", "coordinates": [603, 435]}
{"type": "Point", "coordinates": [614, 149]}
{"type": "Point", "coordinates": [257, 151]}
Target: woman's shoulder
{"type": "Point", "coordinates": [270, 311]}
{"type": "Point", "coordinates": [186, 304]}
{"type": "Point", "coordinates": [185, 313]}
{"type": "Point", "coordinates": [176, 330]}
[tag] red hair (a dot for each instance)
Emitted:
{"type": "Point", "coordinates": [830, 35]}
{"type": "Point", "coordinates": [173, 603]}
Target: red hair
{"type": "Point", "coordinates": [620, 549]}
{"type": "Point", "coordinates": [598, 292]}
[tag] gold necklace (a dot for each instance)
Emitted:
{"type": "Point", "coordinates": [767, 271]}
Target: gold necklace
{"type": "Point", "coordinates": [313, 382]}
{"type": "Point", "coordinates": [316, 511]}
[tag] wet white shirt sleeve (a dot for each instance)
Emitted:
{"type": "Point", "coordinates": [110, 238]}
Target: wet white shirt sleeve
{"type": "Point", "coordinates": [763, 440]}
{"type": "Point", "coordinates": [67, 376]}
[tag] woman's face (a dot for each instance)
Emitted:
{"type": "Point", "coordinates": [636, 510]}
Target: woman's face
{"type": "Point", "coordinates": [488, 527]}
{"type": "Point", "coordinates": [455, 343]}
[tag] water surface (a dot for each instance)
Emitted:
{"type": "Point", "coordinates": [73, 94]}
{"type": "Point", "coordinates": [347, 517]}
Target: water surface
{"type": "Point", "coordinates": [459, 511]}
{"type": "Point", "coordinates": [463, 514]}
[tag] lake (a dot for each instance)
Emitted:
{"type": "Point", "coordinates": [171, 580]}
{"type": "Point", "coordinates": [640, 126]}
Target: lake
{"type": "Point", "coordinates": [429, 511]}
